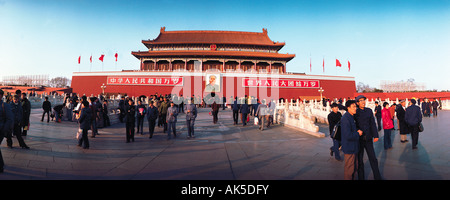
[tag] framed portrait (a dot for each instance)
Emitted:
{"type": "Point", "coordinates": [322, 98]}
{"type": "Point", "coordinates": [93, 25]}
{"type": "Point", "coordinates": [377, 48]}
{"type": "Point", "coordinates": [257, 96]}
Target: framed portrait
{"type": "Point", "coordinates": [213, 83]}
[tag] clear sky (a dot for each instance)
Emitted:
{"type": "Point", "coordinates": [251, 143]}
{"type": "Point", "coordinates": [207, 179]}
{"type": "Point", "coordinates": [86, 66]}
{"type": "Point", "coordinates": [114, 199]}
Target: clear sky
{"type": "Point", "coordinates": [383, 40]}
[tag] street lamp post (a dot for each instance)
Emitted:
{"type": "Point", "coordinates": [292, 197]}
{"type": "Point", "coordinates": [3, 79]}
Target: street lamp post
{"type": "Point", "coordinates": [321, 91]}
{"type": "Point", "coordinates": [103, 88]}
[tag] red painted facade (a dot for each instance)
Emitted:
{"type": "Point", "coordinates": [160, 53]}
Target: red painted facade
{"type": "Point", "coordinates": [232, 56]}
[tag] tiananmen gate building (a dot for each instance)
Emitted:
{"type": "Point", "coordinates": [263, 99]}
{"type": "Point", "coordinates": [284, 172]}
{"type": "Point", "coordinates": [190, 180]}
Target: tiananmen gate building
{"type": "Point", "coordinates": [229, 63]}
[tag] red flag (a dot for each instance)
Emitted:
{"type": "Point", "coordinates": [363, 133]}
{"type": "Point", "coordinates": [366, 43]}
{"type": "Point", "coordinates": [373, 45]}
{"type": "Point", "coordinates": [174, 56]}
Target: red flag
{"type": "Point", "coordinates": [338, 63]}
{"type": "Point", "coordinates": [79, 59]}
{"type": "Point", "coordinates": [348, 65]}
{"type": "Point", "coordinates": [101, 57]}
{"type": "Point", "coordinates": [90, 59]}
{"type": "Point", "coordinates": [116, 56]}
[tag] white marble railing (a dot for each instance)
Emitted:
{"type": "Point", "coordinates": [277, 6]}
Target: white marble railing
{"type": "Point", "coordinates": [298, 115]}
{"type": "Point", "coordinates": [445, 104]}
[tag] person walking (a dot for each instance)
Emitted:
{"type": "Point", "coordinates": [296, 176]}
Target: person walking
{"type": "Point", "coordinates": [366, 123]}
{"type": "Point", "coordinates": [172, 113]}
{"type": "Point", "coordinates": [85, 120]}
{"type": "Point", "coordinates": [215, 111]}
{"type": "Point", "coordinates": [403, 127]}
{"type": "Point", "coordinates": [16, 109]}
{"type": "Point", "coordinates": [413, 118]}
{"type": "Point", "coordinates": [377, 114]}
{"type": "Point", "coordinates": [426, 107]}
{"type": "Point", "coordinates": [350, 141]}
{"type": "Point", "coordinates": [47, 107]}
{"type": "Point", "coordinates": [191, 114]}
{"type": "Point", "coordinates": [152, 115]}
{"type": "Point", "coordinates": [388, 125]}
{"type": "Point", "coordinates": [130, 120]}
{"type": "Point", "coordinates": [93, 107]}
{"type": "Point", "coordinates": [163, 113]}
{"type": "Point", "coordinates": [26, 108]}
{"type": "Point", "coordinates": [333, 118]}
{"type": "Point", "coordinates": [235, 107]}
{"type": "Point", "coordinates": [6, 123]}
{"type": "Point", "coordinates": [244, 110]}
{"type": "Point", "coordinates": [261, 113]}
{"type": "Point", "coordinates": [435, 106]}
{"type": "Point", "coordinates": [122, 106]}
{"type": "Point", "coordinates": [141, 111]}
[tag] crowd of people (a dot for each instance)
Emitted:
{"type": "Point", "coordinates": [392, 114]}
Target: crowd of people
{"type": "Point", "coordinates": [357, 130]}
{"type": "Point", "coordinates": [14, 120]}
{"type": "Point", "coordinates": [162, 110]}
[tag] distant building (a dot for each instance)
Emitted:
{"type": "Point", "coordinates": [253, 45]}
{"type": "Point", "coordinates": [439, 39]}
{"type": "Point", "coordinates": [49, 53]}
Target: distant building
{"type": "Point", "coordinates": [401, 86]}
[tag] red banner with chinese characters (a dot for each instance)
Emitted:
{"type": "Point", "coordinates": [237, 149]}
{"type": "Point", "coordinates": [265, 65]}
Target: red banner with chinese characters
{"type": "Point", "coordinates": [145, 80]}
{"type": "Point", "coordinates": [280, 83]}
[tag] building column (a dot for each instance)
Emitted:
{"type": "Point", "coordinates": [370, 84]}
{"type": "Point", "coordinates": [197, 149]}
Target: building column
{"type": "Point", "coordinates": [223, 65]}
{"type": "Point", "coordinates": [185, 64]}
{"type": "Point", "coordinates": [270, 67]}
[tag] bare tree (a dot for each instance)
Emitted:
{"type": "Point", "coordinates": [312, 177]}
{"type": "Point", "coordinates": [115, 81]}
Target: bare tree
{"type": "Point", "coordinates": [59, 82]}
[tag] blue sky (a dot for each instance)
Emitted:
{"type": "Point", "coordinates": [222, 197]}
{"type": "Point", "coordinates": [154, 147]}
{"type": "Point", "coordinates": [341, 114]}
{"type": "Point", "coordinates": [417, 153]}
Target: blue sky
{"type": "Point", "coordinates": [383, 40]}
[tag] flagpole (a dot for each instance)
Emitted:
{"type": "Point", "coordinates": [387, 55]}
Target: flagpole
{"type": "Point", "coordinates": [90, 60]}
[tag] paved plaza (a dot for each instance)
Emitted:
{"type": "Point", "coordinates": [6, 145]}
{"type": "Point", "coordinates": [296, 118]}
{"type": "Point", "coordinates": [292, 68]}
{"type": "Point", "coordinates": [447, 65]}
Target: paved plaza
{"type": "Point", "coordinates": [221, 151]}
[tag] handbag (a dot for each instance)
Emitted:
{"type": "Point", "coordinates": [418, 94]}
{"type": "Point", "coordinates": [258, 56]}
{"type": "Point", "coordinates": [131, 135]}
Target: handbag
{"type": "Point", "coordinates": [421, 129]}
{"type": "Point", "coordinates": [335, 134]}
{"type": "Point", "coordinates": [256, 121]}
{"type": "Point", "coordinates": [79, 134]}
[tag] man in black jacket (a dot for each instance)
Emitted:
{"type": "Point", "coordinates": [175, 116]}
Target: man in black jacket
{"type": "Point", "coordinates": [85, 121]}
{"type": "Point", "coordinates": [130, 120]}
{"type": "Point", "coordinates": [378, 115]}
{"type": "Point", "coordinates": [152, 115]}
{"type": "Point", "coordinates": [403, 127]}
{"type": "Point", "coordinates": [366, 123]}
{"type": "Point", "coordinates": [6, 123]}
{"type": "Point", "coordinates": [26, 108]}
{"type": "Point", "coordinates": [47, 106]}
{"type": "Point", "coordinates": [333, 118]}
{"type": "Point", "coordinates": [413, 118]}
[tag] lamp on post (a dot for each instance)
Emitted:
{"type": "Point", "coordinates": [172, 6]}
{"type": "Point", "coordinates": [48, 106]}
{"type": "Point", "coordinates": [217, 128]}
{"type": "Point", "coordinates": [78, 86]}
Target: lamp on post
{"type": "Point", "coordinates": [320, 91]}
{"type": "Point", "coordinates": [103, 88]}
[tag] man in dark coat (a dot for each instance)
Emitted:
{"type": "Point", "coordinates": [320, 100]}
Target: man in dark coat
{"type": "Point", "coordinates": [366, 123]}
{"type": "Point", "coordinates": [413, 118]}
{"type": "Point", "coordinates": [26, 108]}
{"type": "Point", "coordinates": [152, 115]}
{"type": "Point", "coordinates": [244, 110]}
{"type": "Point", "coordinates": [435, 106]}
{"type": "Point", "coordinates": [235, 107]}
{"type": "Point", "coordinates": [85, 121]}
{"type": "Point", "coordinates": [47, 106]}
{"type": "Point", "coordinates": [333, 118]}
{"type": "Point", "coordinates": [130, 120]}
{"type": "Point", "coordinates": [16, 109]}
{"type": "Point", "coordinates": [141, 111]}
{"type": "Point", "coordinates": [403, 127]}
{"type": "Point", "coordinates": [350, 140]}
{"type": "Point", "coordinates": [6, 123]}
{"type": "Point", "coordinates": [378, 115]}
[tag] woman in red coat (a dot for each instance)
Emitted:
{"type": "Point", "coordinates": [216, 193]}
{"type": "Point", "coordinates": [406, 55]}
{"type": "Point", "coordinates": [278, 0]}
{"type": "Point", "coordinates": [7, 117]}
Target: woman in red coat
{"type": "Point", "coordinates": [388, 125]}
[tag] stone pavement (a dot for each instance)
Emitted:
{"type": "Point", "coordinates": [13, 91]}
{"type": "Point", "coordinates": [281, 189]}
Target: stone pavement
{"type": "Point", "coordinates": [220, 151]}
